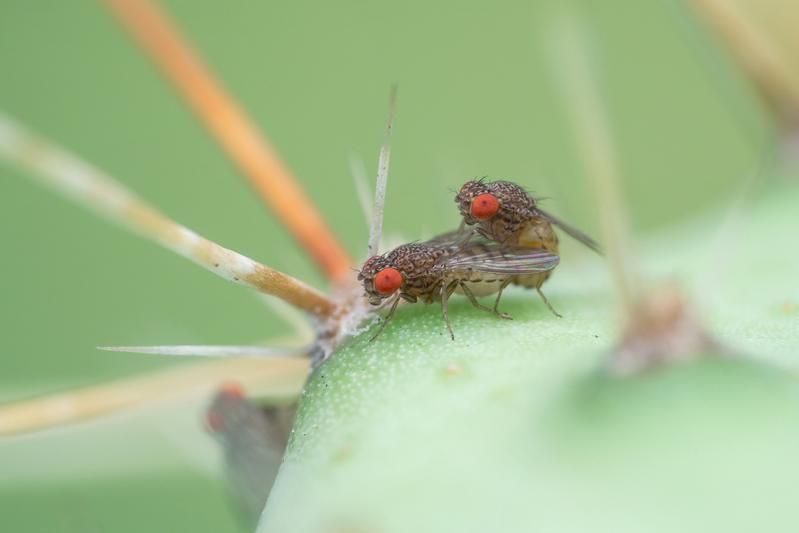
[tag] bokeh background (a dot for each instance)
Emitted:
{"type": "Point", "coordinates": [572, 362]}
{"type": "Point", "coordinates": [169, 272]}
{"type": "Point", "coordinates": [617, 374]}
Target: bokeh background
{"type": "Point", "coordinates": [477, 98]}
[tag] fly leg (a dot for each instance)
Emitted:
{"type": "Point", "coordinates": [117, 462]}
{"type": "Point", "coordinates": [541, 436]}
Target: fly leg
{"type": "Point", "coordinates": [499, 295]}
{"type": "Point", "coordinates": [470, 295]}
{"type": "Point", "coordinates": [446, 292]}
{"type": "Point", "coordinates": [389, 316]}
{"type": "Point", "coordinates": [546, 301]}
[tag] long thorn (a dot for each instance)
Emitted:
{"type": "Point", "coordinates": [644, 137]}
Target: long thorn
{"type": "Point", "coordinates": [376, 228]}
{"type": "Point", "coordinates": [302, 330]}
{"type": "Point", "coordinates": [86, 185]}
{"type": "Point", "coordinates": [577, 76]}
{"type": "Point", "coordinates": [237, 135]}
{"type": "Point", "coordinates": [758, 54]}
{"type": "Point", "coordinates": [724, 78]}
{"type": "Point", "coordinates": [358, 173]}
{"type": "Point", "coordinates": [188, 350]}
{"type": "Point", "coordinates": [186, 381]}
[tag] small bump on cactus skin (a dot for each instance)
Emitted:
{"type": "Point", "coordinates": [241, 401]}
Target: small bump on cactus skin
{"type": "Point", "coordinates": [662, 329]}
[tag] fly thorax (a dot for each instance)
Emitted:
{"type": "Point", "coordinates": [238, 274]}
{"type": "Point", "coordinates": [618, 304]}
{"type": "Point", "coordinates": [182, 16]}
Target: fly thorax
{"type": "Point", "coordinates": [498, 229]}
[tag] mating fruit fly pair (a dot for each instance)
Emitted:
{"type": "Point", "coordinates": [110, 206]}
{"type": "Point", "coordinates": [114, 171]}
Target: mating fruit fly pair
{"type": "Point", "coordinates": [512, 242]}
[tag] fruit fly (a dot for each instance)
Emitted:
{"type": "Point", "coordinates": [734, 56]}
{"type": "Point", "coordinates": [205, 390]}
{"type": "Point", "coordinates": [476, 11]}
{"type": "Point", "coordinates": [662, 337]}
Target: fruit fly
{"type": "Point", "coordinates": [505, 213]}
{"type": "Point", "coordinates": [435, 269]}
{"type": "Point", "coordinates": [253, 440]}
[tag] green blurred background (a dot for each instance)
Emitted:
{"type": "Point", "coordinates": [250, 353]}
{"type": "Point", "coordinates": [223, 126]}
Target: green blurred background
{"type": "Point", "coordinates": [477, 97]}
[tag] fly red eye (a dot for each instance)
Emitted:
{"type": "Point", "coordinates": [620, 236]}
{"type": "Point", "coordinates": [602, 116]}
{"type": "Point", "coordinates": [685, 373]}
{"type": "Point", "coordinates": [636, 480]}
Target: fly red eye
{"type": "Point", "coordinates": [387, 281]}
{"type": "Point", "coordinates": [232, 390]}
{"type": "Point", "coordinates": [485, 206]}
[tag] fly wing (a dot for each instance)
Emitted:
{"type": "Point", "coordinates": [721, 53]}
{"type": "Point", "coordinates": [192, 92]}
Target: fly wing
{"type": "Point", "coordinates": [572, 231]}
{"type": "Point", "coordinates": [495, 259]}
{"type": "Point", "coordinates": [452, 239]}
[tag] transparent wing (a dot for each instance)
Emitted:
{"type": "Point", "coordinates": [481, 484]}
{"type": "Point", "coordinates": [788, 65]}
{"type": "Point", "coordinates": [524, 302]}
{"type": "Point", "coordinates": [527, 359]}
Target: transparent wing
{"type": "Point", "coordinates": [461, 238]}
{"type": "Point", "coordinates": [496, 259]}
{"type": "Point", "coordinates": [450, 239]}
{"type": "Point", "coordinates": [572, 232]}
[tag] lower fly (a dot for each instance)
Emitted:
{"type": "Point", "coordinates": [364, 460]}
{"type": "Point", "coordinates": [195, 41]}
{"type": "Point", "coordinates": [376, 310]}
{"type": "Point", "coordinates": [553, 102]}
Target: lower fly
{"type": "Point", "coordinates": [432, 271]}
